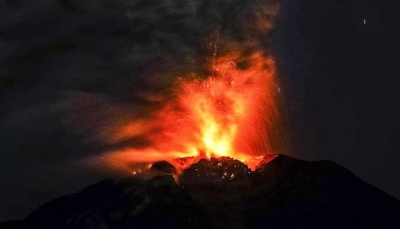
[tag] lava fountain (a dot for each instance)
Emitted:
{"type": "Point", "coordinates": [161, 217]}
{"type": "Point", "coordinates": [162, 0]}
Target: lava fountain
{"type": "Point", "coordinates": [232, 113]}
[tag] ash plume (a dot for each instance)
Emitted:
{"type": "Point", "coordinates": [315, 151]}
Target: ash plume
{"type": "Point", "coordinates": [72, 70]}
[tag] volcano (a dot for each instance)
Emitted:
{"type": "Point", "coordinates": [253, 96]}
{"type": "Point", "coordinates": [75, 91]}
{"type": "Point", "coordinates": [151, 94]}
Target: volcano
{"type": "Point", "coordinates": [282, 192]}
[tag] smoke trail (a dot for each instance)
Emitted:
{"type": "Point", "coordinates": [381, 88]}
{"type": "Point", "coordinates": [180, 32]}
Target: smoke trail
{"type": "Point", "coordinates": [92, 67]}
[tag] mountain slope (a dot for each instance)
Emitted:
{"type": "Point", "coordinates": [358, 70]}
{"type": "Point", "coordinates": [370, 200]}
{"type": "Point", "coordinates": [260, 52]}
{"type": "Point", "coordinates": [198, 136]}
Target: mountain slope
{"type": "Point", "coordinates": [283, 193]}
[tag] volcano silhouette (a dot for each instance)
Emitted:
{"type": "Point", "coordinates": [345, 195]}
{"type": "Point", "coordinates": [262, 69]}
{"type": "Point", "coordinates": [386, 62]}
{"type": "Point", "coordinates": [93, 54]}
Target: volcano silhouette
{"type": "Point", "coordinates": [223, 193]}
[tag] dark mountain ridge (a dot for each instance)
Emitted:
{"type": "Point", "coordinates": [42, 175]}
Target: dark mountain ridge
{"type": "Point", "coordinates": [282, 193]}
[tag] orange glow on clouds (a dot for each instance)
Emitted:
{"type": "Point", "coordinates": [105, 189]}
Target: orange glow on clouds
{"type": "Point", "coordinates": [230, 113]}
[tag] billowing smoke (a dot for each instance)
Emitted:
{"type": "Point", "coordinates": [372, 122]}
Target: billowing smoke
{"type": "Point", "coordinates": [73, 71]}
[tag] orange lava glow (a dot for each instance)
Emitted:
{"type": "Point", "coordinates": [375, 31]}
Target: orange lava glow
{"type": "Point", "coordinates": [230, 113]}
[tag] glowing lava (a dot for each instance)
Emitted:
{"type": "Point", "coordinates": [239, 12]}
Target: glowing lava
{"type": "Point", "coordinates": [231, 113]}
{"type": "Point", "coordinates": [228, 113]}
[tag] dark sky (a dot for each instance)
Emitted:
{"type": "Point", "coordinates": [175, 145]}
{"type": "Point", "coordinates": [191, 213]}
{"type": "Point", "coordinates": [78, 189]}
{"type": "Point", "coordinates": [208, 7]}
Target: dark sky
{"type": "Point", "coordinates": [68, 69]}
{"type": "Point", "coordinates": [340, 61]}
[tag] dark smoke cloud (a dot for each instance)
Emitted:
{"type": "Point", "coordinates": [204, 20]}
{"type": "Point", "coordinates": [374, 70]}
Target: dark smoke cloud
{"type": "Point", "coordinates": [69, 69]}
{"type": "Point", "coordinates": [95, 61]}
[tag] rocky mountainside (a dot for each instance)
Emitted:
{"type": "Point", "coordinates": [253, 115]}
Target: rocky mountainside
{"type": "Point", "coordinates": [223, 193]}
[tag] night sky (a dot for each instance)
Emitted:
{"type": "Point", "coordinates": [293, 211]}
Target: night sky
{"type": "Point", "coordinates": [69, 68]}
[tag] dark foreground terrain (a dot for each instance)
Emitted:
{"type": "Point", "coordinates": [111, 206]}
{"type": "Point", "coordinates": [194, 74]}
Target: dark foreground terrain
{"type": "Point", "coordinates": [224, 193]}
